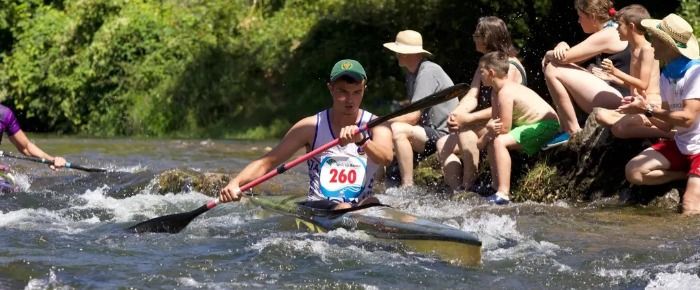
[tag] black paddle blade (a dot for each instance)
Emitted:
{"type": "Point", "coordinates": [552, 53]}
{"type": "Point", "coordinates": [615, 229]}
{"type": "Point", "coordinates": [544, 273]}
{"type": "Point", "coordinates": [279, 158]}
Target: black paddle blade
{"type": "Point", "coordinates": [171, 224]}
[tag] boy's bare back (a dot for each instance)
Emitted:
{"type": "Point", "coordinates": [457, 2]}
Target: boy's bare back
{"type": "Point", "coordinates": [528, 106]}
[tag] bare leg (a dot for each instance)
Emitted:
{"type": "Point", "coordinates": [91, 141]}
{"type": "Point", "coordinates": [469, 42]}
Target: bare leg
{"type": "Point", "coordinates": [492, 165]}
{"type": "Point", "coordinates": [566, 83]}
{"type": "Point", "coordinates": [651, 168]}
{"type": "Point", "coordinates": [605, 117]}
{"type": "Point", "coordinates": [470, 157]}
{"type": "Point", "coordinates": [691, 197]}
{"type": "Point", "coordinates": [500, 161]}
{"type": "Point", "coordinates": [588, 91]}
{"type": "Point", "coordinates": [451, 165]}
{"type": "Point", "coordinates": [407, 139]}
{"type": "Point", "coordinates": [561, 99]}
{"type": "Point", "coordinates": [637, 126]}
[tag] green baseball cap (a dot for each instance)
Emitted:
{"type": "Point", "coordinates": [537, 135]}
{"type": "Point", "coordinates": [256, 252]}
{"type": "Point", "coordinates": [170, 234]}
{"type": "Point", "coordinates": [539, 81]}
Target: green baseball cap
{"type": "Point", "coordinates": [348, 67]}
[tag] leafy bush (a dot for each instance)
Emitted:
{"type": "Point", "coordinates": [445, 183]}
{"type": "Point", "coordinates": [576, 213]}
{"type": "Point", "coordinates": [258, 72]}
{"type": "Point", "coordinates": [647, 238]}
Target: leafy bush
{"type": "Point", "coordinates": [238, 68]}
{"type": "Point", "coordinates": [690, 11]}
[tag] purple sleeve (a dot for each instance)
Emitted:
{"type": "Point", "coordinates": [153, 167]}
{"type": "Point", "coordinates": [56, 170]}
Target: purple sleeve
{"type": "Point", "coordinates": [9, 123]}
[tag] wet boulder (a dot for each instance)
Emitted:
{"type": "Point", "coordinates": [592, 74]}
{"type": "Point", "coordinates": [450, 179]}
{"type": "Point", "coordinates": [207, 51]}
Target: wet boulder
{"type": "Point", "coordinates": [592, 166]}
{"type": "Point", "coordinates": [184, 180]}
{"type": "Point", "coordinates": [210, 183]}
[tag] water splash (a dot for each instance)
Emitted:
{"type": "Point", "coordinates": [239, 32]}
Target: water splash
{"type": "Point", "coordinates": [22, 181]}
{"type": "Point", "coordinates": [674, 281]}
{"type": "Point", "coordinates": [50, 282]}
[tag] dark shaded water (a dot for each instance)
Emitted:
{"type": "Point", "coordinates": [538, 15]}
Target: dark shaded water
{"type": "Point", "coordinates": [65, 230]}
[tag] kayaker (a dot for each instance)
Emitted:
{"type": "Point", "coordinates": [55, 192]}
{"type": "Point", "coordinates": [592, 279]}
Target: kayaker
{"type": "Point", "coordinates": [341, 176]}
{"type": "Point", "coordinates": [9, 125]}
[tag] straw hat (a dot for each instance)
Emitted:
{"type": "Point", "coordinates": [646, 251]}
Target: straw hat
{"type": "Point", "coordinates": [675, 31]}
{"type": "Point", "coordinates": [407, 42]}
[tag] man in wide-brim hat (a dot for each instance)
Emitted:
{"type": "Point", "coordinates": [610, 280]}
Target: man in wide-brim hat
{"type": "Point", "coordinates": [676, 46]}
{"type": "Point", "coordinates": [417, 133]}
{"type": "Point", "coordinates": [675, 33]}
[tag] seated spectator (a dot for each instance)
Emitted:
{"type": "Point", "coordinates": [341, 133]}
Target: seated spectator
{"type": "Point", "coordinates": [643, 79]}
{"type": "Point", "coordinates": [459, 151]}
{"type": "Point", "coordinates": [676, 46]}
{"type": "Point", "coordinates": [521, 120]}
{"type": "Point", "coordinates": [570, 83]}
{"type": "Point", "coordinates": [418, 132]}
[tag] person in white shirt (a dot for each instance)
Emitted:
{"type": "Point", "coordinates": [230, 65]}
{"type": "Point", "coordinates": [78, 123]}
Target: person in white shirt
{"type": "Point", "coordinates": [679, 158]}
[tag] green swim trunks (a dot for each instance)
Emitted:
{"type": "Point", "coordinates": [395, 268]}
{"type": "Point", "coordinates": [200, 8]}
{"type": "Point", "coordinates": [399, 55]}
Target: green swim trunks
{"type": "Point", "coordinates": [531, 137]}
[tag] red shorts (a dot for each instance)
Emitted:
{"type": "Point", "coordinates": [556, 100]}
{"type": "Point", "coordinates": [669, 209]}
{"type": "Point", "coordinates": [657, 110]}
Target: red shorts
{"type": "Point", "coordinates": [678, 160]}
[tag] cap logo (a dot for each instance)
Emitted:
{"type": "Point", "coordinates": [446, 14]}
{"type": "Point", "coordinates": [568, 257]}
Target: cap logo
{"type": "Point", "coordinates": [346, 65]}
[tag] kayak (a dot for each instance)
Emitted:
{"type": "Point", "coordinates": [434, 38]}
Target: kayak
{"type": "Point", "coordinates": [382, 222]}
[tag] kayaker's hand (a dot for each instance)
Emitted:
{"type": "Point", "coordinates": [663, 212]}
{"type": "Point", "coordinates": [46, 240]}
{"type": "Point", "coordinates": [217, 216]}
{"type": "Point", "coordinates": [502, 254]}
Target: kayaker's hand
{"type": "Point", "coordinates": [346, 135]}
{"type": "Point", "coordinates": [58, 162]}
{"type": "Point", "coordinates": [230, 193]}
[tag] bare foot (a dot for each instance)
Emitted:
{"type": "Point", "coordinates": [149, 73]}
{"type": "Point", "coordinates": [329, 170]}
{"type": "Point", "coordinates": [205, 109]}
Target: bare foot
{"type": "Point", "coordinates": [691, 210]}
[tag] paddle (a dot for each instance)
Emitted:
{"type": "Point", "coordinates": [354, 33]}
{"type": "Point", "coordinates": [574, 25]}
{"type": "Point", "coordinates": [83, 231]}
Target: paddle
{"type": "Point", "coordinates": [42, 160]}
{"type": "Point", "coordinates": [174, 223]}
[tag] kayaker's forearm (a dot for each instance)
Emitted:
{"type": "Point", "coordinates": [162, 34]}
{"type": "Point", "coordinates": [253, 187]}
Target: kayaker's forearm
{"type": "Point", "coordinates": [33, 150]}
{"type": "Point", "coordinates": [26, 147]}
{"type": "Point", "coordinates": [254, 170]}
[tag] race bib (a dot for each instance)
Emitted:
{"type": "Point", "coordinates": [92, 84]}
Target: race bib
{"type": "Point", "coordinates": [342, 177]}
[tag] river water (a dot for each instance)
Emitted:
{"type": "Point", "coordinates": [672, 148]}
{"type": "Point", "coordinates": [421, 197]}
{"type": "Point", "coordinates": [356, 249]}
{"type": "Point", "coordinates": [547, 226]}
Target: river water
{"type": "Point", "coordinates": [65, 229]}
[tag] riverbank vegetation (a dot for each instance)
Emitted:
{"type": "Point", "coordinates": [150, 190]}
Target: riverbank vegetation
{"type": "Point", "coordinates": [239, 68]}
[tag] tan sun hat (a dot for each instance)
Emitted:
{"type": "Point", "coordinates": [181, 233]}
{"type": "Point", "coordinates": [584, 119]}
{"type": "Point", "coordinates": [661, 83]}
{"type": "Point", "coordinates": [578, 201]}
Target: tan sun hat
{"type": "Point", "coordinates": [677, 32]}
{"type": "Point", "coordinates": [407, 42]}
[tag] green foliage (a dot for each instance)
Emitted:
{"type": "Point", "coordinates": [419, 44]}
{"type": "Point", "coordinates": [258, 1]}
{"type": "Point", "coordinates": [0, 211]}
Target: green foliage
{"type": "Point", "coordinates": [690, 11]}
{"type": "Point", "coordinates": [235, 68]}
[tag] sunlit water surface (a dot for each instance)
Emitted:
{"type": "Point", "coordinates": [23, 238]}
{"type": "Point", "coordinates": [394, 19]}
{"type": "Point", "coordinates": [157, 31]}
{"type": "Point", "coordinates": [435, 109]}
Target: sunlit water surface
{"type": "Point", "coordinates": [65, 229]}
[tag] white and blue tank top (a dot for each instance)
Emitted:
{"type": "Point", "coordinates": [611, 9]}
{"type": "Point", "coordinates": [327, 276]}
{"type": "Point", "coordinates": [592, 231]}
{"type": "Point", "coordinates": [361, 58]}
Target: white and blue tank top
{"type": "Point", "coordinates": [342, 174]}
